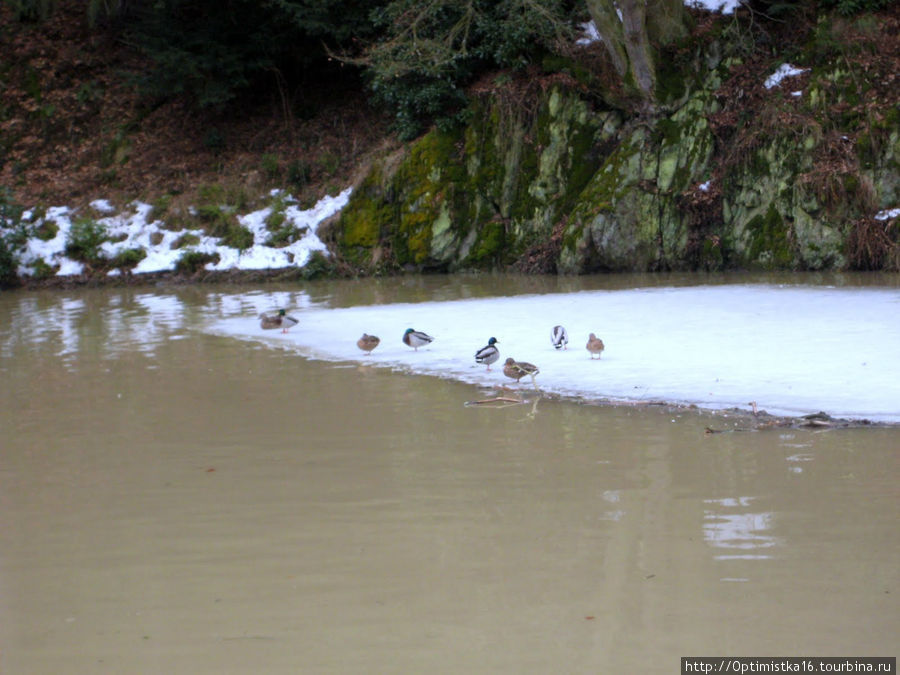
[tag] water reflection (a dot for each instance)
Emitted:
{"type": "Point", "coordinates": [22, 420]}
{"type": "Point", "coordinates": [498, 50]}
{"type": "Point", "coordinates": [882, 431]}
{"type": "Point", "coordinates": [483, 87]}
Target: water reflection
{"type": "Point", "coordinates": [121, 321]}
{"type": "Point", "coordinates": [732, 525]}
{"type": "Point", "coordinates": [35, 323]}
{"type": "Point", "coordinates": [176, 501]}
{"type": "Point", "coordinates": [613, 497]}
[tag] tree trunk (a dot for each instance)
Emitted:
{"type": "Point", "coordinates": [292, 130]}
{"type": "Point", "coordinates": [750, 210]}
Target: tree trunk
{"type": "Point", "coordinates": [609, 25]}
{"type": "Point", "coordinates": [637, 46]}
{"type": "Point", "coordinates": [631, 30]}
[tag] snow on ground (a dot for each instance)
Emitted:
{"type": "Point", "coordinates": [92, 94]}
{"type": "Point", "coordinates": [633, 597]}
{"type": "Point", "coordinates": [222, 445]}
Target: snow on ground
{"type": "Point", "coordinates": [723, 6]}
{"type": "Point", "coordinates": [791, 349]}
{"type": "Point", "coordinates": [136, 229]}
{"type": "Point", "coordinates": [590, 34]}
{"type": "Point", "coordinates": [783, 71]}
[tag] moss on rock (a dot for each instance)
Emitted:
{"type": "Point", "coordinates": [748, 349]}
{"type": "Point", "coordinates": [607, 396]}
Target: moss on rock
{"type": "Point", "coordinates": [768, 242]}
{"type": "Point", "coordinates": [545, 172]}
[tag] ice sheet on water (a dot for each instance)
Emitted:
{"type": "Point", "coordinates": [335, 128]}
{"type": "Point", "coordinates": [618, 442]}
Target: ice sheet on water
{"type": "Point", "coordinates": [793, 350]}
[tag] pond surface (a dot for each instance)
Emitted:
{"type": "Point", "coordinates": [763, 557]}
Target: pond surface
{"type": "Point", "coordinates": [177, 501]}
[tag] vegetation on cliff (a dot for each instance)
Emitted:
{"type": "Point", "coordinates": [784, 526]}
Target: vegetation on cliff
{"type": "Point", "coordinates": [741, 161]}
{"type": "Point", "coordinates": [661, 146]}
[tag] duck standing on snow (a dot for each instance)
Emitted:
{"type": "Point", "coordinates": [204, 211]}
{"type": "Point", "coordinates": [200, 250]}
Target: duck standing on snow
{"type": "Point", "coordinates": [516, 370]}
{"type": "Point", "coordinates": [489, 354]}
{"type": "Point", "coordinates": [595, 346]}
{"type": "Point", "coordinates": [559, 337]}
{"type": "Point", "coordinates": [416, 338]}
{"type": "Point", "coordinates": [280, 319]}
{"type": "Point", "coordinates": [368, 342]}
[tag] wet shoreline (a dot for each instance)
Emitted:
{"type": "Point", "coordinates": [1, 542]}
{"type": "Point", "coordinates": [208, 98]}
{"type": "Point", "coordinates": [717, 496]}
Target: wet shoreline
{"type": "Point", "coordinates": [164, 278]}
{"type": "Point", "coordinates": [737, 419]}
{"type": "Point", "coordinates": [722, 419]}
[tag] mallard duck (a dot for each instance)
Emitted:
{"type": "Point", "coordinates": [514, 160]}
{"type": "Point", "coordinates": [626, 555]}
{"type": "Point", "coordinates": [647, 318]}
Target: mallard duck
{"type": "Point", "coordinates": [559, 337]}
{"type": "Point", "coordinates": [416, 338]}
{"type": "Point", "coordinates": [280, 319]}
{"type": "Point", "coordinates": [368, 342]}
{"type": "Point", "coordinates": [516, 370]}
{"type": "Point", "coordinates": [595, 345]}
{"type": "Point", "coordinates": [489, 354]}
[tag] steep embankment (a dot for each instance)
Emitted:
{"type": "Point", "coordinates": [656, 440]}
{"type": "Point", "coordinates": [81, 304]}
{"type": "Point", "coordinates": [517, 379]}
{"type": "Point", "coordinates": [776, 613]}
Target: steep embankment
{"type": "Point", "coordinates": [749, 163]}
{"type": "Point", "coordinates": [74, 128]}
{"type": "Point", "coordinates": [734, 169]}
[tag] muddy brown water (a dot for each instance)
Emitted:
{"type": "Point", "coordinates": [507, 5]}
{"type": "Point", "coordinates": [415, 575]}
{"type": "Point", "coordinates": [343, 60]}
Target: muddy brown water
{"type": "Point", "coordinates": [178, 502]}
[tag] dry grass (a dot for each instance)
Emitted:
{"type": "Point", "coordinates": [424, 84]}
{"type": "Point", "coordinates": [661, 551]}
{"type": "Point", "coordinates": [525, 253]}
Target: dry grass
{"type": "Point", "coordinates": [874, 244]}
{"type": "Point", "coordinates": [72, 130]}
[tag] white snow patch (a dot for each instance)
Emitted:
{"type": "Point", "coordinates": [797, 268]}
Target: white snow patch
{"type": "Point", "coordinates": [783, 71]}
{"type": "Point", "coordinates": [591, 34]}
{"type": "Point", "coordinates": [136, 229]}
{"type": "Point", "coordinates": [102, 206]}
{"type": "Point", "coordinates": [722, 6]}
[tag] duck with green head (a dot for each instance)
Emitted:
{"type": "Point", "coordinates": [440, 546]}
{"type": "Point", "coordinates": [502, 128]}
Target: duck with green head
{"type": "Point", "coordinates": [280, 319]}
{"type": "Point", "coordinates": [416, 338]}
{"type": "Point", "coordinates": [488, 354]}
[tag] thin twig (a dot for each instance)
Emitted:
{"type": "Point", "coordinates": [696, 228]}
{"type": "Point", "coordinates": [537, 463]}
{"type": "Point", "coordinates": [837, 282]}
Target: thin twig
{"type": "Point", "coordinates": [496, 399]}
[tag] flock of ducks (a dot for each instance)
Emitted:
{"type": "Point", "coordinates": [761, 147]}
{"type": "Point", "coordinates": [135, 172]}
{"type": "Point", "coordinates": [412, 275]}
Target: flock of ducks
{"type": "Point", "coordinates": [487, 355]}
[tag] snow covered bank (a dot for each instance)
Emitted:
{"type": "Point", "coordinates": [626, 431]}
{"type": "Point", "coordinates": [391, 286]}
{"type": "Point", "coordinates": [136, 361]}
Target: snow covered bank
{"type": "Point", "coordinates": [137, 230]}
{"type": "Point", "coordinates": [793, 350]}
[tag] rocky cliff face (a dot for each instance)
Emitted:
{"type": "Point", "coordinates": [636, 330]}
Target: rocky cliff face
{"type": "Point", "coordinates": [733, 172]}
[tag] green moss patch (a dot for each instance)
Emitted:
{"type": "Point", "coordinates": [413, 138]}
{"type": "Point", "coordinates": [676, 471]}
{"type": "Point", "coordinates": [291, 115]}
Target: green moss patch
{"type": "Point", "coordinates": [770, 240]}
